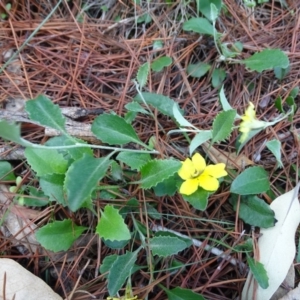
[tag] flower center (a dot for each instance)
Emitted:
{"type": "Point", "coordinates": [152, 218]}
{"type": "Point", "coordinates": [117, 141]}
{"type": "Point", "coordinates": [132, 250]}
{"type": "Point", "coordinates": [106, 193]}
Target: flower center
{"type": "Point", "coordinates": [196, 173]}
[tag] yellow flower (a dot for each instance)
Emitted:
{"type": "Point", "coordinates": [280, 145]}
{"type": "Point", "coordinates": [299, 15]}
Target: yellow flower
{"type": "Point", "coordinates": [196, 173]}
{"type": "Point", "coordinates": [249, 122]}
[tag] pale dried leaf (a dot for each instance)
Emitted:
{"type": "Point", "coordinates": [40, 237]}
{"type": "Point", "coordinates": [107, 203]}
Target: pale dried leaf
{"type": "Point", "coordinates": [21, 284]}
{"type": "Point", "coordinates": [276, 246]}
{"type": "Point", "coordinates": [17, 222]}
{"type": "Point", "coordinates": [232, 160]}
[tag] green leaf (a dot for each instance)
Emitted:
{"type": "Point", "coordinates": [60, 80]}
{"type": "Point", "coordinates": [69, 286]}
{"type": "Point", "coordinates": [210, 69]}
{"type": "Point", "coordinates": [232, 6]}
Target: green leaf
{"type": "Point", "coordinates": [188, 241]}
{"type": "Point", "coordinates": [167, 187]}
{"type": "Point", "coordinates": [278, 104]}
{"type": "Point", "coordinates": [134, 160]}
{"type": "Point", "coordinates": [35, 198]}
{"type": "Point", "coordinates": [180, 118]}
{"type": "Point", "coordinates": [107, 263]}
{"type": "Point", "coordinates": [115, 244]}
{"type": "Point", "coordinates": [275, 147]}
{"type": "Point", "coordinates": [42, 110]}
{"type": "Point", "coordinates": [199, 199]}
{"type": "Point", "coordinates": [294, 92]}
{"type": "Point", "coordinates": [156, 171]}
{"type": "Point", "coordinates": [254, 211]}
{"type": "Point", "coordinates": [199, 25]}
{"type": "Point", "coordinates": [162, 103]}
{"type": "Point", "coordinates": [6, 171]}
{"type": "Point", "coordinates": [152, 212]}
{"type": "Point", "coordinates": [52, 186]}
{"type": "Point", "coordinates": [258, 272]}
{"type": "Point", "coordinates": [142, 74]}
{"type": "Point", "coordinates": [280, 73]}
{"type": "Point", "coordinates": [253, 180]}
{"type": "Point", "coordinates": [158, 64]}
{"type": "Point", "coordinates": [111, 225]}
{"type": "Point", "coordinates": [120, 271]}
{"type": "Point", "coordinates": [222, 125]}
{"type": "Point", "coordinates": [266, 60]}
{"type": "Point", "coordinates": [223, 100]}
{"type": "Point", "coordinates": [46, 161]}
{"type": "Point", "coordinates": [166, 245]}
{"type": "Point", "coordinates": [11, 132]}
{"type": "Point", "coordinates": [114, 130]}
{"type": "Point", "coordinates": [198, 70]}
{"type": "Point", "coordinates": [204, 6]}
{"type": "Point", "coordinates": [182, 294]}
{"type": "Point", "coordinates": [116, 171]}
{"type": "Point", "coordinates": [81, 179]}
{"type": "Point", "coordinates": [136, 107]}
{"type": "Point", "coordinates": [146, 18]}
{"type": "Point", "coordinates": [74, 153]}
{"type": "Point", "coordinates": [218, 76]}
{"type": "Point", "coordinates": [59, 235]}
{"type": "Point", "coordinates": [201, 137]}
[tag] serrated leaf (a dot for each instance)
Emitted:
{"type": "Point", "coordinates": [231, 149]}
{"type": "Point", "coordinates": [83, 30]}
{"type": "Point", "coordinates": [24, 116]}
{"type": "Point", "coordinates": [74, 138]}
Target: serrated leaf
{"type": "Point", "coordinates": [276, 245]}
{"type": "Point", "coordinates": [201, 137]}
{"type": "Point", "coordinates": [59, 235]}
{"type": "Point", "coordinates": [253, 180]}
{"type": "Point", "coordinates": [158, 64]}
{"type": "Point", "coordinates": [162, 103]}
{"type": "Point", "coordinates": [199, 25]}
{"type": "Point", "coordinates": [187, 241]}
{"type": "Point", "coordinates": [204, 6]}
{"type": "Point", "coordinates": [156, 171]}
{"type": "Point", "coordinates": [167, 187]}
{"type": "Point", "coordinates": [136, 107]}
{"type": "Point", "coordinates": [218, 76]}
{"type": "Point", "coordinates": [267, 60]}
{"type": "Point", "coordinates": [107, 263]}
{"type": "Point", "coordinates": [166, 245]}
{"type": "Point", "coordinates": [182, 294]}
{"type": "Point", "coordinates": [258, 272]}
{"type": "Point", "coordinates": [74, 153]}
{"type": "Point", "coordinates": [254, 211]}
{"type": "Point", "coordinates": [199, 199]}
{"type": "Point", "coordinates": [6, 171]}
{"type": "Point", "coordinates": [198, 70]}
{"type": "Point", "coordinates": [44, 111]}
{"type": "Point", "coordinates": [52, 186]}
{"type": "Point", "coordinates": [111, 225]}
{"type": "Point", "coordinates": [142, 74]}
{"type": "Point", "coordinates": [11, 132]}
{"type": "Point", "coordinates": [222, 125]}
{"type": "Point", "coordinates": [46, 161]}
{"type": "Point", "coordinates": [120, 271]}
{"type": "Point", "coordinates": [134, 160]}
{"type": "Point", "coordinates": [275, 147]}
{"type": "Point", "coordinates": [81, 179]}
{"type": "Point", "coordinates": [114, 130]}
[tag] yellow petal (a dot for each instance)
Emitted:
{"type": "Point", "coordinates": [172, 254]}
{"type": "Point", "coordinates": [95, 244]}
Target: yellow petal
{"type": "Point", "coordinates": [216, 171]}
{"type": "Point", "coordinates": [250, 112]}
{"type": "Point", "coordinates": [199, 162]}
{"type": "Point", "coordinates": [187, 169]}
{"type": "Point", "coordinates": [208, 183]}
{"type": "Point", "coordinates": [189, 187]}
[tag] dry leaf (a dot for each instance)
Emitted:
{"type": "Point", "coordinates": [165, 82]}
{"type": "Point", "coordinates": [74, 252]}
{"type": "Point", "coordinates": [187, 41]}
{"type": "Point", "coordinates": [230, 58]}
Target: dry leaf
{"type": "Point", "coordinates": [276, 246]}
{"type": "Point", "coordinates": [17, 222]}
{"type": "Point", "coordinates": [19, 284]}
{"type": "Point", "coordinates": [231, 160]}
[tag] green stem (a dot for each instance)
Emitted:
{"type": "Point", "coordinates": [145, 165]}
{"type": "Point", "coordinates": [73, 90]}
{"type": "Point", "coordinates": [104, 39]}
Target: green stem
{"type": "Point", "coordinates": [78, 145]}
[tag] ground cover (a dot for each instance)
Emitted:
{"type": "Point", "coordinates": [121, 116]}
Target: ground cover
{"type": "Point", "coordinates": [101, 57]}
